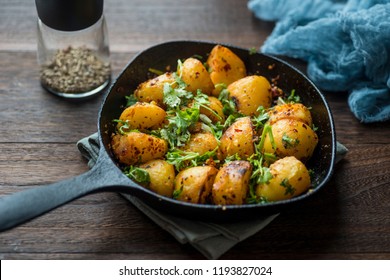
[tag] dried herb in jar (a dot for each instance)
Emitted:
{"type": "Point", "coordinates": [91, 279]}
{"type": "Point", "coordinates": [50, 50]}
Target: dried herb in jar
{"type": "Point", "coordinates": [75, 70]}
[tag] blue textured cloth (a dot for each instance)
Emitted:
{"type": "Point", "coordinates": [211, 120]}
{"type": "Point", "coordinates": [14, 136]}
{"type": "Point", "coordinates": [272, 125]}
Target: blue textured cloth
{"type": "Point", "coordinates": [346, 45]}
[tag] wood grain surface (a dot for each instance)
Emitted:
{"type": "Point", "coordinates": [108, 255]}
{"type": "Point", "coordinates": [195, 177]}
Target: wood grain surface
{"type": "Point", "coordinates": [349, 219]}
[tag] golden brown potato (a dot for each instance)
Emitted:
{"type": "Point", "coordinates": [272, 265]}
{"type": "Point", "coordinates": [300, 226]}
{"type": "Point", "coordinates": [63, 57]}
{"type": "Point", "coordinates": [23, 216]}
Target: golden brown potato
{"type": "Point", "coordinates": [153, 89]}
{"type": "Point", "coordinates": [295, 111]}
{"type": "Point", "coordinates": [231, 184]}
{"type": "Point", "coordinates": [249, 93]}
{"type": "Point", "coordinates": [143, 116]}
{"type": "Point", "coordinates": [288, 135]}
{"type": "Point", "coordinates": [238, 139]}
{"type": "Point", "coordinates": [162, 176]}
{"type": "Point", "coordinates": [290, 178]}
{"type": "Point", "coordinates": [292, 138]}
{"type": "Point", "coordinates": [225, 67]}
{"type": "Point", "coordinates": [216, 114]}
{"type": "Point", "coordinates": [201, 143]}
{"type": "Point", "coordinates": [194, 184]}
{"type": "Point", "coordinates": [196, 76]}
{"type": "Point", "coordinates": [136, 147]}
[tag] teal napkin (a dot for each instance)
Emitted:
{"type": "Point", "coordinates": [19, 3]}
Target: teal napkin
{"type": "Point", "coordinates": [346, 44]}
{"type": "Point", "coordinates": [211, 239]}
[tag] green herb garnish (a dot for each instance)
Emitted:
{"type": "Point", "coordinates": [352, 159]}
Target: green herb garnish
{"type": "Point", "coordinates": [137, 174]}
{"type": "Point", "coordinates": [289, 142]}
{"type": "Point", "coordinates": [289, 189]}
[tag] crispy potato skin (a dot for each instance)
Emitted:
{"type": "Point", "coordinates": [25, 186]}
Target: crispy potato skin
{"type": "Point", "coordinates": [201, 143]}
{"type": "Point", "coordinates": [290, 178]}
{"type": "Point", "coordinates": [153, 89]}
{"type": "Point", "coordinates": [231, 184]}
{"type": "Point", "coordinates": [162, 176]}
{"type": "Point", "coordinates": [225, 67]}
{"type": "Point", "coordinates": [136, 147]}
{"type": "Point", "coordinates": [194, 184]}
{"type": "Point", "coordinates": [292, 138]}
{"type": "Point", "coordinates": [196, 76]}
{"type": "Point", "coordinates": [216, 106]}
{"type": "Point", "coordinates": [238, 139]}
{"type": "Point", "coordinates": [143, 116]}
{"type": "Point", "coordinates": [295, 111]}
{"type": "Point", "coordinates": [290, 126]}
{"type": "Point", "coordinates": [249, 93]}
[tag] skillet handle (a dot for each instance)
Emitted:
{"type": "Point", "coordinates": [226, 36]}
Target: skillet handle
{"type": "Point", "coordinates": [20, 207]}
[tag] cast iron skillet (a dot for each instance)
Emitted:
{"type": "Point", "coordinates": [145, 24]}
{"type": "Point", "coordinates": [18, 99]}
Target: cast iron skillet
{"type": "Point", "coordinates": [107, 176]}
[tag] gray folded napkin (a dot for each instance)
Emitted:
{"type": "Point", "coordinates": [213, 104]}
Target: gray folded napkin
{"type": "Point", "coordinates": [211, 239]}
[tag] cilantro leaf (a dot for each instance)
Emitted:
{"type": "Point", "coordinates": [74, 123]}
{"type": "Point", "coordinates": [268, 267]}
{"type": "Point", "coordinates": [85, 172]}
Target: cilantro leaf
{"type": "Point", "coordinates": [179, 121]}
{"type": "Point", "coordinates": [183, 159]}
{"type": "Point", "coordinates": [293, 97]}
{"type": "Point", "coordinates": [137, 174]}
{"type": "Point", "coordinates": [289, 142]}
{"type": "Point", "coordinates": [131, 100]}
{"type": "Point", "coordinates": [289, 188]}
{"type": "Point", "coordinates": [259, 120]}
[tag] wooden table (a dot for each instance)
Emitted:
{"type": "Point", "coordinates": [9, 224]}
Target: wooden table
{"type": "Point", "coordinates": [38, 132]}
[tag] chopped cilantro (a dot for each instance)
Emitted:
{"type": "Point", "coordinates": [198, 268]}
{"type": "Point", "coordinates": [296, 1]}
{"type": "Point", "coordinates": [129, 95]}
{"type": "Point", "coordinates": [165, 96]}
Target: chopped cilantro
{"type": "Point", "coordinates": [182, 159]}
{"type": "Point", "coordinates": [252, 50]}
{"type": "Point", "coordinates": [289, 142]}
{"type": "Point", "coordinates": [267, 130]}
{"type": "Point", "coordinates": [293, 98]}
{"type": "Point", "coordinates": [177, 193]}
{"type": "Point", "coordinates": [175, 97]}
{"type": "Point", "coordinates": [130, 100]}
{"type": "Point", "coordinates": [156, 71]}
{"type": "Point", "coordinates": [259, 120]}
{"type": "Point", "coordinates": [124, 127]}
{"type": "Point", "coordinates": [137, 174]}
{"type": "Point", "coordinates": [176, 132]}
{"type": "Point", "coordinates": [289, 189]}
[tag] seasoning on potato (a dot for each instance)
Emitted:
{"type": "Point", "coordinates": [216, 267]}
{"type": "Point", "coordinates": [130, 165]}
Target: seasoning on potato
{"type": "Point", "coordinates": [225, 67]}
{"type": "Point", "coordinates": [290, 178]}
{"type": "Point", "coordinates": [161, 176]}
{"type": "Point", "coordinates": [231, 184]}
{"type": "Point", "coordinates": [194, 184]}
{"type": "Point", "coordinates": [250, 93]}
{"type": "Point", "coordinates": [209, 133]}
{"type": "Point", "coordinates": [238, 139]}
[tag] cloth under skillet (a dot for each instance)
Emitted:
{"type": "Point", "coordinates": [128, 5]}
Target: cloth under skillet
{"type": "Point", "coordinates": [346, 45]}
{"type": "Point", "coordinates": [211, 239]}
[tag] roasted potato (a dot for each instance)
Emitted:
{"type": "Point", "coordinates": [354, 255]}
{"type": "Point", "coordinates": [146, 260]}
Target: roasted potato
{"type": "Point", "coordinates": [296, 111]}
{"type": "Point", "coordinates": [250, 93]}
{"type": "Point", "coordinates": [215, 114]}
{"type": "Point", "coordinates": [225, 67]}
{"type": "Point", "coordinates": [162, 176]}
{"type": "Point", "coordinates": [194, 184]}
{"type": "Point", "coordinates": [136, 147]}
{"type": "Point", "coordinates": [231, 184]}
{"type": "Point", "coordinates": [167, 133]}
{"type": "Point", "coordinates": [290, 178]}
{"type": "Point", "coordinates": [201, 143]}
{"type": "Point", "coordinates": [238, 139]}
{"type": "Point", "coordinates": [291, 138]}
{"type": "Point", "coordinates": [143, 116]}
{"type": "Point", "coordinates": [153, 89]}
{"type": "Point", "coordinates": [196, 76]}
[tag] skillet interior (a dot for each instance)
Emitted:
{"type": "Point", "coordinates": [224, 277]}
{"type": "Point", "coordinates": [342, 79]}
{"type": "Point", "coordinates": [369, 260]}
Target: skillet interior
{"type": "Point", "coordinates": [167, 54]}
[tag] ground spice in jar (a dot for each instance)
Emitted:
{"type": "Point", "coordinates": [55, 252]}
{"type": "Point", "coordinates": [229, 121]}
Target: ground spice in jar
{"type": "Point", "coordinates": [75, 70]}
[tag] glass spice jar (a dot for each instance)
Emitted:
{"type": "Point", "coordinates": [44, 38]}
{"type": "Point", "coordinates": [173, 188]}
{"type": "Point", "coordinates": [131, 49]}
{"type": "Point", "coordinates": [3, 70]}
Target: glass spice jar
{"type": "Point", "coordinates": [73, 50]}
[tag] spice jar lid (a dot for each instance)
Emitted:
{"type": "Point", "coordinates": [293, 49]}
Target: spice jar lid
{"type": "Point", "coordinates": [69, 15]}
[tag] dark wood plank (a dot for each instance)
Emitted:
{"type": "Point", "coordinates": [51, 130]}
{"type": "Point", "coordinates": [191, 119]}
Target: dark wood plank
{"type": "Point", "coordinates": [47, 118]}
{"type": "Point", "coordinates": [137, 24]}
{"type": "Point", "coordinates": [347, 220]}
